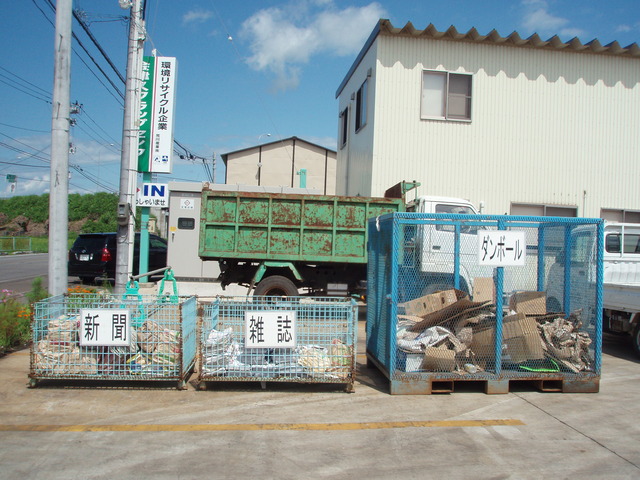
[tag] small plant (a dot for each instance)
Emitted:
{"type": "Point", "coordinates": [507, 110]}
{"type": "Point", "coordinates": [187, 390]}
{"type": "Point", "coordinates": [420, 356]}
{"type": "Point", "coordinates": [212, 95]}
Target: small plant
{"type": "Point", "coordinates": [38, 292]}
{"type": "Point", "coordinates": [15, 319]}
{"type": "Point", "coordinates": [81, 289]}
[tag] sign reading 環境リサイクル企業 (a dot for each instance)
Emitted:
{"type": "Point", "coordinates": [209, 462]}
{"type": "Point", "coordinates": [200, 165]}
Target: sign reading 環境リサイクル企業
{"type": "Point", "coordinates": [157, 113]}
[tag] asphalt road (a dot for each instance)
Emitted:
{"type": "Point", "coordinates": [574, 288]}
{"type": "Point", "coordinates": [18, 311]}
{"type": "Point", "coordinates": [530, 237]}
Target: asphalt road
{"type": "Point", "coordinates": [18, 271]}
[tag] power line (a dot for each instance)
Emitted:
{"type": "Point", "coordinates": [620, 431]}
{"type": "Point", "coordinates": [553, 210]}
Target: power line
{"type": "Point", "coordinates": [111, 139]}
{"type": "Point", "coordinates": [77, 15]}
{"type": "Point", "coordinates": [25, 129]}
{"type": "Point", "coordinates": [42, 90]}
{"type": "Point", "coordinates": [24, 91]}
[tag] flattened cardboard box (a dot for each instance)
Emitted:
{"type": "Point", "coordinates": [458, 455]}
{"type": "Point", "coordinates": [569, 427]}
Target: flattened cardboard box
{"type": "Point", "coordinates": [431, 303]}
{"type": "Point", "coordinates": [439, 359]}
{"type": "Point", "coordinates": [462, 306]}
{"type": "Point", "coordinates": [484, 290]}
{"type": "Point", "coordinates": [529, 303]}
{"type": "Point", "coordinates": [519, 334]}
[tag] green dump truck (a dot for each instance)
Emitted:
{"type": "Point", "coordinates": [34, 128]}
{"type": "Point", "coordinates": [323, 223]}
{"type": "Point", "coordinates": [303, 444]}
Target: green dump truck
{"type": "Point", "coordinates": [286, 244]}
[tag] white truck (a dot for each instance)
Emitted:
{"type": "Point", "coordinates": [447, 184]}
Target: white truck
{"type": "Point", "coordinates": [621, 278]}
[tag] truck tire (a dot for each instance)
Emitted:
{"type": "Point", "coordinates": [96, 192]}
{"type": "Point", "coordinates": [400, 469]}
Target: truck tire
{"type": "Point", "coordinates": [277, 286]}
{"type": "Point", "coordinates": [636, 338]}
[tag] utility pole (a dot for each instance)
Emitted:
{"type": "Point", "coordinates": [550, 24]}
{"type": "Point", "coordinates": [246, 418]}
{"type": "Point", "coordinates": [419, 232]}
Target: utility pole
{"type": "Point", "coordinates": [60, 124]}
{"type": "Point", "coordinates": [128, 159]}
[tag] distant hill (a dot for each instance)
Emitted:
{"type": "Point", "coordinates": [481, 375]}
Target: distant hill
{"type": "Point", "coordinates": [29, 214]}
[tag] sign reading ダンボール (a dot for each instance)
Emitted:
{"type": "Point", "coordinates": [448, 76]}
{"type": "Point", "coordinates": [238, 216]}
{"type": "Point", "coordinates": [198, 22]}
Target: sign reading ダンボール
{"type": "Point", "coordinates": [270, 329]}
{"type": "Point", "coordinates": [501, 248]}
{"type": "Point", "coordinates": [157, 112]}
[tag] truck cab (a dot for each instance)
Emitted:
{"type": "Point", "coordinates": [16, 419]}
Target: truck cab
{"type": "Point", "coordinates": [621, 276]}
{"type": "Point", "coordinates": [434, 245]}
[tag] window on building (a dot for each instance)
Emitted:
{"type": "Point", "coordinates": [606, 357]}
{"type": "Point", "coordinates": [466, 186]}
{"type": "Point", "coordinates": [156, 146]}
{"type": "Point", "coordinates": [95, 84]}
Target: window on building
{"type": "Point", "coordinates": [344, 127]}
{"type": "Point", "coordinates": [617, 215]}
{"type": "Point", "coordinates": [446, 96]}
{"type": "Point", "coordinates": [538, 210]}
{"type": "Point", "coordinates": [361, 106]}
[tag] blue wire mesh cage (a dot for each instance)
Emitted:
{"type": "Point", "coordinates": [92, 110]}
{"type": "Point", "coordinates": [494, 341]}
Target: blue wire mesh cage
{"type": "Point", "coordinates": [290, 339]}
{"type": "Point", "coordinates": [490, 298]}
{"type": "Point", "coordinates": [82, 336]}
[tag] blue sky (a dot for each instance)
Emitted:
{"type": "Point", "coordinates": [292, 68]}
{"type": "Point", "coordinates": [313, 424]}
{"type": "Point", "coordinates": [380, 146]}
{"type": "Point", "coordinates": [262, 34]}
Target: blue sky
{"type": "Point", "coordinates": [248, 71]}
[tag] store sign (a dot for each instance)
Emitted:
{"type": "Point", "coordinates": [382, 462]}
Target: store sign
{"type": "Point", "coordinates": [105, 327]}
{"type": "Point", "coordinates": [153, 195]}
{"type": "Point", "coordinates": [157, 114]}
{"type": "Point", "coordinates": [270, 329]}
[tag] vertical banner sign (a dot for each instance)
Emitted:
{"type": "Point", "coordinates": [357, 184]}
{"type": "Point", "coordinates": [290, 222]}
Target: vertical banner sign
{"type": "Point", "coordinates": [157, 112]}
{"type": "Point", "coordinates": [146, 94]}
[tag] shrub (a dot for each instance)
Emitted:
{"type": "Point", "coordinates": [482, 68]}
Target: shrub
{"type": "Point", "coordinates": [15, 319]}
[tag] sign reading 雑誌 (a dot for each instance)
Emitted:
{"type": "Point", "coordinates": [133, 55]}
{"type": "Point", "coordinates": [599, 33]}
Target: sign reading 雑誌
{"type": "Point", "coordinates": [157, 113]}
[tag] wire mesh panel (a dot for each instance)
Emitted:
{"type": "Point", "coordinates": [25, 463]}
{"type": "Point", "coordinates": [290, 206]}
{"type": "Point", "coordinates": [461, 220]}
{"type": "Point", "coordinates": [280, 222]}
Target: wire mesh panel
{"type": "Point", "coordinates": [489, 298]}
{"type": "Point", "coordinates": [103, 337]}
{"type": "Point", "coordinates": [292, 339]}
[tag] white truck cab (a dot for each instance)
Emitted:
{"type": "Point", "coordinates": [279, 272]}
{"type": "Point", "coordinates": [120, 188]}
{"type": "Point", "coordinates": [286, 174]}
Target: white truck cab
{"type": "Point", "coordinates": [434, 245]}
{"type": "Point", "coordinates": [621, 277]}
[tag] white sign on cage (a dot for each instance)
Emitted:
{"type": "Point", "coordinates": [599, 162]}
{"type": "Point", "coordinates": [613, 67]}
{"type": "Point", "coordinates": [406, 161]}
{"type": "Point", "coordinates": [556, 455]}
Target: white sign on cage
{"type": "Point", "coordinates": [108, 327]}
{"type": "Point", "coordinates": [502, 248]}
{"type": "Point", "coordinates": [270, 329]}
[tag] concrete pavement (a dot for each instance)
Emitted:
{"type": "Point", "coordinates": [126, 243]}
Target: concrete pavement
{"type": "Point", "coordinates": [293, 431]}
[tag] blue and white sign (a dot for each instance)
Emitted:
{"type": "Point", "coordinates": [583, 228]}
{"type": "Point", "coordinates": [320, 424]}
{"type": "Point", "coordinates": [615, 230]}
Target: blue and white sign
{"type": "Point", "coordinates": [501, 248]}
{"type": "Point", "coordinates": [153, 195]}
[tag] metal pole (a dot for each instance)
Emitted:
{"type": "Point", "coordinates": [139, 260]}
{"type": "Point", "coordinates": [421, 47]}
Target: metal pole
{"type": "Point", "coordinates": [143, 261]}
{"type": "Point", "coordinates": [128, 169]}
{"type": "Point", "coordinates": [60, 123]}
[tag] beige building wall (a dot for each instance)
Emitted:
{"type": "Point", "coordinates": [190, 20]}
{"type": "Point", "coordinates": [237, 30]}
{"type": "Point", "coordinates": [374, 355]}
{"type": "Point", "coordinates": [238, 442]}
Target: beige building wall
{"type": "Point", "coordinates": [548, 126]}
{"type": "Point", "coordinates": [278, 164]}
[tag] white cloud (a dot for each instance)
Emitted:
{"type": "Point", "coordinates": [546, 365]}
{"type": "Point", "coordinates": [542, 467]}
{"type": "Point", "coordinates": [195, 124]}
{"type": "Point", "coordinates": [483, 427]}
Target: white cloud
{"type": "Point", "coordinates": [27, 184]}
{"type": "Point", "coordinates": [538, 19]}
{"type": "Point", "coordinates": [283, 39]}
{"type": "Point", "coordinates": [196, 16]}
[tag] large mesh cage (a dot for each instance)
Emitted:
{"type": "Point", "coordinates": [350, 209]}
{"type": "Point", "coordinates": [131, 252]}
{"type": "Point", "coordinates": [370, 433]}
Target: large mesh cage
{"type": "Point", "coordinates": [83, 336]}
{"type": "Point", "coordinates": [486, 298]}
{"type": "Point", "coordinates": [273, 339]}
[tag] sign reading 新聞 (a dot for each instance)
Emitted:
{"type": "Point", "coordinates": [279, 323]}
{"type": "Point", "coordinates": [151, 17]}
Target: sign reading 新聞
{"type": "Point", "coordinates": [108, 327]}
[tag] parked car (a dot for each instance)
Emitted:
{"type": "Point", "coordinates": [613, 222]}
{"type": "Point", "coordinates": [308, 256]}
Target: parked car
{"type": "Point", "coordinates": [94, 255]}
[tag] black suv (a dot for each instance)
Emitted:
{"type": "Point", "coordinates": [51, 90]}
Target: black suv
{"type": "Point", "coordinates": [94, 255]}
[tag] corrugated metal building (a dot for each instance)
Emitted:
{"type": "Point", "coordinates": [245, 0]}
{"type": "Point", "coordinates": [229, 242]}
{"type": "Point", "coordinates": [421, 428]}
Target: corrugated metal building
{"type": "Point", "coordinates": [278, 164]}
{"type": "Point", "coordinates": [520, 126]}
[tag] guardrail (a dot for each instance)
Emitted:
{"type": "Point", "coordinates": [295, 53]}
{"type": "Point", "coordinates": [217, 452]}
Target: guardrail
{"type": "Point", "coordinates": [15, 244]}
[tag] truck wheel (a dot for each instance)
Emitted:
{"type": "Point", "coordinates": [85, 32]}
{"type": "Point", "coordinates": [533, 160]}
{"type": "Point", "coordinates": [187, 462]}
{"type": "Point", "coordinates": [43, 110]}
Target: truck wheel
{"type": "Point", "coordinates": [277, 286]}
{"type": "Point", "coordinates": [636, 338]}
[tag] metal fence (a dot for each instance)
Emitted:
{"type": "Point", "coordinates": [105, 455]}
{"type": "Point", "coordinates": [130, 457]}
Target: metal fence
{"type": "Point", "coordinates": [104, 337]}
{"type": "Point", "coordinates": [487, 298]}
{"type": "Point", "coordinates": [291, 339]}
{"type": "Point", "coordinates": [15, 244]}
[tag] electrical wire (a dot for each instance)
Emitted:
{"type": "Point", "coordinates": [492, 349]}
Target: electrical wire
{"type": "Point", "coordinates": [25, 129]}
